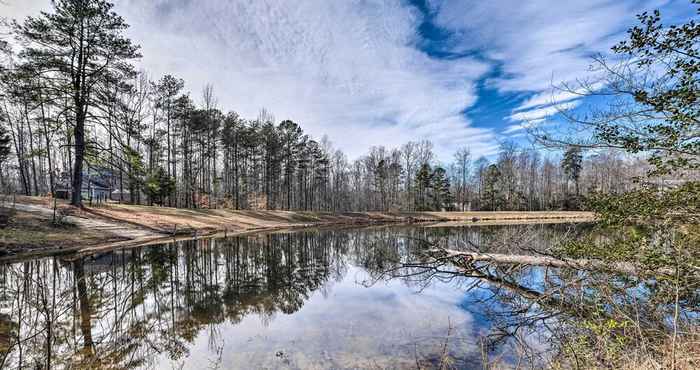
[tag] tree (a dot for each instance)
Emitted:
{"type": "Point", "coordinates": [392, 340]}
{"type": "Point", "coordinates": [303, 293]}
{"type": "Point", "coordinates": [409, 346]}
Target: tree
{"type": "Point", "coordinates": [462, 165]}
{"type": "Point", "coordinates": [440, 186]}
{"type": "Point", "coordinates": [158, 186]}
{"type": "Point", "coordinates": [4, 148]}
{"type": "Point", "coordinates": [491, 193]}
{"type": "Point", "coordinates": [572, 165]}
{"type": "Point", "coordinates": [423, 182]}
{"type": "Point", "coordinates": [290, 137]}
{"type": "Point", "coordinates": [166, 91]}
{"type": "Point", "coordinates": [79, 48]}
{"type": "Point", "coordinates": [653, 92]}
{"type": "Point", "coordinates": [653, 107]}
{"type": "Point", "coordinates": [673, 97]}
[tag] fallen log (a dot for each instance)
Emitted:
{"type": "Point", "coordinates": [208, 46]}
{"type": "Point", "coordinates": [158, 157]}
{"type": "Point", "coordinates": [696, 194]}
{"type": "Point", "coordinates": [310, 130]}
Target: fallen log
{"type": "Point", "coordinates": [466, 258]}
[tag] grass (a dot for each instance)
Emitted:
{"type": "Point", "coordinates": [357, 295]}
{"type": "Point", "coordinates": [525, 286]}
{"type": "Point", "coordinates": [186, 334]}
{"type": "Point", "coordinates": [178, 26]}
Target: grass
{"type": "Point", "coordinates": [28, 231]}
{"type": "Point", "coordinates": [167, 219]}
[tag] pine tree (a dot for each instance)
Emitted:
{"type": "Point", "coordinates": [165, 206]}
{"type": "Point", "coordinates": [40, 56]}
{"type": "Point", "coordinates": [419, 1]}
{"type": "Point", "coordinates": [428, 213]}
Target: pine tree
{"type": "Point", "coordinates": [79, 48]}
{"type": "Point", "coordinates": [440, 190]}
{"type": "Point", "coordinates": [290, 136]}
{"type": "Point", "coordinates": [572, 165]}
{"type": "Point", "coordinates": [423, 182]}
{"type": "Point", "coordinates": [4, 147]}
{"type": "Point", "coordinates": [158, 186]}
{"type": "Point", "coordinates": [491, 193]}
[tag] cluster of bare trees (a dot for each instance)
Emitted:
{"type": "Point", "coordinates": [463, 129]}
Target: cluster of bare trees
{"type": "Point", "coordinates": [519, 178]}
{"type": "Point", "coordinates": [123, 308]}
{"type": "Point", "coordinates": [74, 109]}
{"type": "Point", "coordinates": [527, 179]}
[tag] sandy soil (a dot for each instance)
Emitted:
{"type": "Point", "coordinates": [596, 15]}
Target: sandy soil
{"type": "Point", "coordinates": [117, 225]}
{"type": "Point", "coordinates": [171, 220]}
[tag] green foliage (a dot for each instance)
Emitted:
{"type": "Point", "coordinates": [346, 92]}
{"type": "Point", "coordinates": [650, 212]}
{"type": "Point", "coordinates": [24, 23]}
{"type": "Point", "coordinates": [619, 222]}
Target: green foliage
{"type": "Point", "coordinates": [440, 186]}
{"type": "Point", "coordinates": [423, 181]}
{"type": "Point", "coordinates": [649, 205]}
{"type": "Point", "coordinates": [492, 193]}
{"type": "Point", "coordinates": [674, 97]}
{"type": "Point", "coordinates": [572, 164]}
{"type": "Point", "coordinates": [433, 189]}
{"type": "Point", "coordinates": [4, 144]}
{"type": "Point", "coordinates": [158, 185]}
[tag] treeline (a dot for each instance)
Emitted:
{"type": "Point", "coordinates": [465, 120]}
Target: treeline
{"type": "Point", "coordinates": [521, 179]}
{"type": "Point", "coordinates": [74, 109]}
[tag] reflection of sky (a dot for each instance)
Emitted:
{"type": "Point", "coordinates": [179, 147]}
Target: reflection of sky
{"type": "Point", "coordinates": [353, 326]}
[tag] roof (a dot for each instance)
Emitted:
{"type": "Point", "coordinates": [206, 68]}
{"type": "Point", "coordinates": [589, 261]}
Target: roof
{"type": "Point", "coordinates": [86, 182]}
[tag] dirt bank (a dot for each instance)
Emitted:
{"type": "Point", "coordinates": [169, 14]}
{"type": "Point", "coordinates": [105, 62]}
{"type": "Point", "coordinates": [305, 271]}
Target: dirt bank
{"type": "Point", "coordinates": [119, 225]}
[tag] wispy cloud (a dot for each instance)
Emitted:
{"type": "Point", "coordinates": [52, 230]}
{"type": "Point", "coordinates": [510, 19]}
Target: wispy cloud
{"type": "Point", "coordinates": [357, 70]}
{"type": "Point", "coordinates": [543, 112]}
{"type": "Point", "coordinates": [538, 42]}
{"type": "Point", "coordinates": [515, 129]}
{"type": "Point", "coordinates": [548, 98]}
{"type": "Point", "coordinates": [348, 69]}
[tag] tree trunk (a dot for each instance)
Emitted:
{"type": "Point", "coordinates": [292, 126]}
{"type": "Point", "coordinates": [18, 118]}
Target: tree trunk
{"type": "Point", "coordinates": [85, 312]}
{"type": "Point", "coordinates": [52, 182]}
{"type": "Point", "coordinates": [76, 196]}
{"type": "Point", "coordinates": [465, 258]}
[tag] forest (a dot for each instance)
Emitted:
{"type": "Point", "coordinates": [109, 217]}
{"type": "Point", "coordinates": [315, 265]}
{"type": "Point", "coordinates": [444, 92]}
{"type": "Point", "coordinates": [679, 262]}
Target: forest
{"type": "Point", "coordinates": [79, 120]}
{"type": "Point", "coordinates": [73, 107]}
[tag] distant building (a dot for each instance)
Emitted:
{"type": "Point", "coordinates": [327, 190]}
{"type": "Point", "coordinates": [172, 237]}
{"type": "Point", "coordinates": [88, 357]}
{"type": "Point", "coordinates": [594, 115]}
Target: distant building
{"type": "Point", "coordinates": [120, 195]}
{"type": "Point", "coordinates": [91, 190]}
{"type": "Point", "coordinates": [97, 185]}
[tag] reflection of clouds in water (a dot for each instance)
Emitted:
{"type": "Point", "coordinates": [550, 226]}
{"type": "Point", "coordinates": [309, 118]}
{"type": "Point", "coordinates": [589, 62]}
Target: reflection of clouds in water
{"type": "Point", "coordinates": [355, 326]}
{"type": "Point", "coordinates": [280, 300]}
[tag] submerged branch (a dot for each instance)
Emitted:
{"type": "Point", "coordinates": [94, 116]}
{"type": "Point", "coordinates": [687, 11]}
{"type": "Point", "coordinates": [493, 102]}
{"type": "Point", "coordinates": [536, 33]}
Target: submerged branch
{"type": "Point", "coordinates": [466, 258]}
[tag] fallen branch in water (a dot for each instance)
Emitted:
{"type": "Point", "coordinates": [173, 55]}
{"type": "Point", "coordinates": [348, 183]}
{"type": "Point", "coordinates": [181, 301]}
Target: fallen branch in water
{"type": "Point", "coordinates": [465, 258]}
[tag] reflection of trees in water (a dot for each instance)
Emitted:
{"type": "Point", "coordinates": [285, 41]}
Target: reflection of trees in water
{"type": "Point", "coordinates": [122, 308]}
{"type": "Point", "coordinates": [553, 314]}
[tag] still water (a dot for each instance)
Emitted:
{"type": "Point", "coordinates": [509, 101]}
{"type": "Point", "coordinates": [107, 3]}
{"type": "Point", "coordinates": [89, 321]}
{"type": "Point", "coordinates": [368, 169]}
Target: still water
{"type": "Point", "coordinates": [317, 299]}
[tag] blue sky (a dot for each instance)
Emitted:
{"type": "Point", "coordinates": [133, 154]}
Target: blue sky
{"type": "Point", "coordinates": [382, 72]}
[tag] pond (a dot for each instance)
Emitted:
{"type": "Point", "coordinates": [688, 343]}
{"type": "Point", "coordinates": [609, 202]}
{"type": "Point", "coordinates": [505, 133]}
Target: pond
{"type": "Point", "coordinates": [316, 299]}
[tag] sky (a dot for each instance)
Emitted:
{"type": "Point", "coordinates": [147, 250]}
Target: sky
{"type": "Point", "coordinates": [382, 72]}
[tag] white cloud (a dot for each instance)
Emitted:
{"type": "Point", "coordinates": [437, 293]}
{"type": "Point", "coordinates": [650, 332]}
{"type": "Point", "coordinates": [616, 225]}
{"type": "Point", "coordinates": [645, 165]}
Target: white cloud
{"type": "Point", "coordinates": [543, 112]}
{"type": "Point", "coordinates": [548, 98]}
{"type": "Point", "coordinates": [522, 126]}
{"type": "Point", "coordinates": [349, 69]}
{"type": "Point", "coordinates": [538, 42]}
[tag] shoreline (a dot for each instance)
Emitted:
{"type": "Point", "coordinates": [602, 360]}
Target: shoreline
{"type": "Point", "coordinates": [135, 226]}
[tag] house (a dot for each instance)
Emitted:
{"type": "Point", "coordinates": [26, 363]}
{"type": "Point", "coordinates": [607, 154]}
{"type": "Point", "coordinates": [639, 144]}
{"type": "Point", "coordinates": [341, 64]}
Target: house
{"type": "Point", "coordinates": [122, 195]}
{"type": "Point", "coordinates": [92, 190]}
{"type": "Point", "coordinates": [97, 185]}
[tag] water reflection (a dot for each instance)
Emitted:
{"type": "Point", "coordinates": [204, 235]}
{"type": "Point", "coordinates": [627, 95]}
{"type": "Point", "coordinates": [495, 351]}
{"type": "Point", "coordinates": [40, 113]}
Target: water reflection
{"type": "Point", "coordinates": [315, 299]}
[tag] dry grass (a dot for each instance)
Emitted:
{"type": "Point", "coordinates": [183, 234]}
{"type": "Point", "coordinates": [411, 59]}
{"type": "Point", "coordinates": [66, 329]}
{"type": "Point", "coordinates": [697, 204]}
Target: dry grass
{"type": "Point", "coordinates": [34, 232]}
{"type": "Point", "coordinates": [28, 231]}
{"type": "Point", "coordinates": [166, 219]}
{"type": "Point", "coordinates": [661, 357]}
